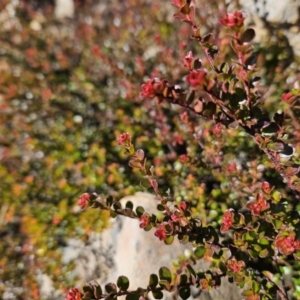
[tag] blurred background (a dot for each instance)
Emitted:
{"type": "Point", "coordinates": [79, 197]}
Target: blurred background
{"type": "Point", "coordinates": [70, 77]}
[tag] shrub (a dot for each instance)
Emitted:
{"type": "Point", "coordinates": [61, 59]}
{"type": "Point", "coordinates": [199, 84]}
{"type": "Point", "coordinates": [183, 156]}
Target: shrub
{"type": "Point", "coordinates": [248, 223]}
{"type": "Point", "coordinates": [64, 102]}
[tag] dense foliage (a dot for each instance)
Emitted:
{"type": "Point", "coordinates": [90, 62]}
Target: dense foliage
{"type": "Point", "coordinates": [68, 91]}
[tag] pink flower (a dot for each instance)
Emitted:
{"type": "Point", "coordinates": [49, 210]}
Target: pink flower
{"type": "Point", "coordinates": [183, 158]}
{"type": "Point", "coordinates": [161, 232]}
{"type": "Point", "coordinates": [153, 87]}
{"type": "Point", "coordinates": [258, 205]}
{"type": "Point", "coordinates": [235, 266]}
{"type": "Point", "coordinates": [184, 117]}
{"type": "Point", "coordinates": [287, 244]}
{"type": "Point", "coordinates": [84, 200]}
{"type": "Point", "coordinates": [124, 139]}
{"type": "Point", "coordinates": [265, 187]}
{"type": "Point", "coordinates": [144, 220]}
{"type": "Point", "coordinates": [217, 129]}
{"type": "Point", "coordinates": [232, 168]}
{"type": "Point", "coordinates": [73, 294]}
{"type": "Point", "coordinates": [183, 205]}
{"type": "Point", "coordinates": [175, 218]}
{"type": "Point", "coordinates": [233, 19]}
{"type": "Point", "coordinates": [147, 90]}
{"type": "Point", "coordinates": [228, 220]}
{"type": "Point", "coordinates": [287, 97]}
{"type": "Point", "coordinates": [188, 60]}
{"type": "Point", "coordinates": [196, 78]}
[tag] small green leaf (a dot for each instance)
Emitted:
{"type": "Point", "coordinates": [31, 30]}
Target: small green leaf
{"type": "Point", "coordinates": [253, 254]}
{"type": "Point", "coordinates": [123, 283]}
{"type": "Point", "coordinates": [185, 9]}
{"type": "Point", "coordinates": [197, 65]}
{"type": "Point", "coordinates": [113, 214]}
{"type": "Point", "coordinates": [133, 163]}
{"type": "Point", "coordinates": [145, 183]}
{"type": "Point", "coordinates": [191, 270]}
{"type": "Point", "coordinates": [109, 201]}
{"type": "Point", "coordinates": [251, 60]}
{"type": "Point", "coordinates": [88, 288]}
{"type": "Point", "coordinates": [277, 196]}
{"type": "Point", "coordinates": [223, 267]}
{"type": "Point", "coordinates": [185, 292]}
{"type": "Point", "coordinates": [263, 241]}
{"type": "Point", "coordinates": [270, 129]}
{"type": "Point", "coordinates": [140, 211]}
{"type": "Point", "coordinates": [117, 205]}
{"type": "Point", "coordinates": [255, 286]}
{"type": "Point", "coordinates": [133, 296]}
{"type": "Point", "coordinates": [206, 38]}
{"type": "Point", "coordinates": [153, 281]}
{"type": "Point", "coordinates": [157, 294]}
{"type": "Point", "coordinates": [160, 207]}
{"type": "Point", "coordinates": [224, 67]}
{"type": "Point", "coordinates": [165, 274]}
{"type": "Point", "coordinates": [199, 251]}
{"type": "Point", "coordinates": [247, 293]}
{"type": "Point", "coordinates": [257, 248]}
{"type": "Point", "coordinates": [165, 285]}
{"type": "Point", "coordinates": [277, 223]}
{"type": "Point", "coordinates": [263, 253]}
{"type": "Point", "coordinates": [190, 98]}
{"type": "Point", "coordinates": [148, 227]}
{"type": "Point", "coordinates": [169, 240]}
{"type": "Point", "coordinates": [276, 146]}
{"type": "Point", "coordinates": [183, 279]}
{"type": "Point", "coordinates": [97, 291]}
{"type": "Point", "coordinates": [209, 109]}
{"type": "Point", "coordinates": [247, 36]}
{"type": "Point", "coordinates": [111, 288]}
{"type": "Point", "coordinates": [129, 205]}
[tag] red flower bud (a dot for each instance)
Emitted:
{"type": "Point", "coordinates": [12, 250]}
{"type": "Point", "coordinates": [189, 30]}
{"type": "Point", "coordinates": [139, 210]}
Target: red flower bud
{"type": "Point", "coordinates": [147, 90]}
{"type": "Point", "coordinates": [188, 60]}
{"type": "Point", "coordinates": [124, 139]}
{"type": "Point", "coordinates": [183, 158]}
{"type": "Point", "coordinates": [258, 205]}
{"type": "Point", "coordinates": [84, 200]}
{"type": "Point", "coordinates": [235, 266]}
{"type": "Point", "coordinates": [144, 220]}
{"type": "Point", "coordinates": [287, 244]}
{"type": "Point", "coordinates": [73, 294]}
{"type": "Point", "coordinates": [196, 78]}
{"type": "Point", "coordinates": [161, 232]}
{"type": "Point", "coordinates": [227, 221]}
{"type": "Point", "coordinates": [287, 97]}
{"type": "Point", "coordinates": [217, 129]}
{"type": "Point", "coordinates": [233, 19]}
{"type": "Point", "coordinates": [183, 205]}
{"type": "Point", "coordinates": [153, 87]}
{"type": "Point", "coordinates": [265, 187]}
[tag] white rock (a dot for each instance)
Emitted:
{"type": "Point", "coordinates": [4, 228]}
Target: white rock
{"type": "Point", "coordinates": [64, 9]}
